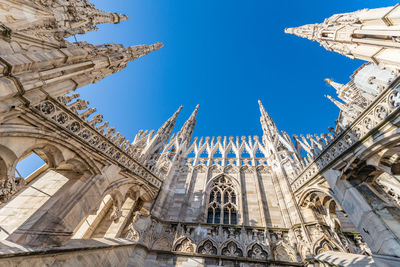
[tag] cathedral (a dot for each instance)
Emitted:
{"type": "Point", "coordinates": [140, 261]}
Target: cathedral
{"type": "Point", "coordinates": [167, 198]}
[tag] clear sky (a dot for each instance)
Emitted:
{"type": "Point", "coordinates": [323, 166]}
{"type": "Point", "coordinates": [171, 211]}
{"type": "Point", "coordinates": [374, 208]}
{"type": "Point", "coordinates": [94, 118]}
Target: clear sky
{"type": "Point", "coordinates": [223, 55]}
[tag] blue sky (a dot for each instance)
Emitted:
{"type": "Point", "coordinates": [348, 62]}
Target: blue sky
{"type": "Point", "coordinates": [223, 55]}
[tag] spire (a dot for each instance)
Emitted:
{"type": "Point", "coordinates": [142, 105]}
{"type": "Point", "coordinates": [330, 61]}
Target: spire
{"type": "Point", "coordinates": [185, 134]}
{"type": "Point", "coordinates": [356, 34]}
{"type": "Point", "coordinates": [267, 123]}
{"type": "Point", "coordinates": [306, 31]}
{"type": "Point", "coordinates": [337, 86]}
{"type": "Point", "coordinates": [61, 19]}
{"type": "Point", "coordinates": [142, 50]}
{"type": "Point", "coordinates": [85, 19]}
{"type": "Point", "coordinates": [116, 57]}
{"type": "Point", "coordinates": [340, 105]}
{"type": "Point", "coordinates": [341, 90]}
{"type": "Point", "coordinates": [271, 138]}
{"type": "Point", "coordinates": [347, 112]}
{"type": "Point", "coordinates": [89, 64]}
{"type": "Point", "coordinates": [166, 129]}
{"type": "Point", "coordinates": [156, 143]}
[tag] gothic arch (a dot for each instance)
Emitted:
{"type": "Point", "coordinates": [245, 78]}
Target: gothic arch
{"type": "Point", "coordinates": [282, 252]}
{"type": "Point", "coordinates": [207, 246]}
{"type": "Point", "coordinates": [230, 177]}
{"type": "Point", "coordinates": [8, 157]}
{"type": "Point", "coordinates": [145, 193]}
{"type": "Point", "coordinates": [50, 153]}
{"type": "Point", "coordinates": [381, 148]}
{"type": "Point", "coordinates": [257, 251]}
{"type": "Point", "coordinates": [52, 145]}
{"type": "Point", "coordinates": [185, 244]}
{"type": "Point", "coordinates": [222, 200]}
{"type": "Point", "coordinates": [323, 245]}
{"type": "Point", "coordinates": [390, 159]}
{"type": "Point", "coordinates": [366, 179]}
{"type": "Point", "coordinates": [232, 248]}
{"type": "Point", "coordinates": [313, 190]}
{"type": "Point", "coordinates": [162, 243]}
{"type": "Point", "coordinates": [7, 172]}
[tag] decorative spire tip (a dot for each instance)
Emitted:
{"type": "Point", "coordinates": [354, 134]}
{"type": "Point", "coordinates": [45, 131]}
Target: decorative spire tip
{"type": "Point", "coordinates": [156, 46]}
{"type": "Point", "coordinates": [289, 30]}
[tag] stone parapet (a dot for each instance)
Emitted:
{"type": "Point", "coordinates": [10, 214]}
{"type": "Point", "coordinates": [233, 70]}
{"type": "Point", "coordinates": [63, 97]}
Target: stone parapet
{"type": "Point", "coordinates": [374, 116]}
{"type": "Point", "coordinates": [109, 146]}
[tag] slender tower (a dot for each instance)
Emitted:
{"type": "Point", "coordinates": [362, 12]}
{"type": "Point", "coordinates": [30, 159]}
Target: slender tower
{"type": "Point", "coordinates": [172, 156]}
{"type": "Point", "coordinates": [52, 66]}
{"type": "Point", "coordinates": [369, 34]}
{"type": "Point", "coordinates": [154, 147]}
{"type": "Point", "coordinates": [280, 148]}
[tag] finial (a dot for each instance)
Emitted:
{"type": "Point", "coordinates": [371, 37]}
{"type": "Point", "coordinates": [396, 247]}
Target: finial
{"type": "Point", "coordinates": [142, 50]}
{"type": "Point", "coordinates": [289, 30]}
{"type": "Point", "coordinates": [305, 31]}
{"type": "Point", "coordinates": [185, 134]}
{"type": "Point", "coordinates": [335, 85]}
{"type": "Point", "coordinates": [156, 46]}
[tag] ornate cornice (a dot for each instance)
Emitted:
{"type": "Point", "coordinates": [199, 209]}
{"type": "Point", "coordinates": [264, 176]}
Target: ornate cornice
{"type": "Point", "coordinates": [104, 144]}
{"type": "Point", "coordinates": [378, 113]}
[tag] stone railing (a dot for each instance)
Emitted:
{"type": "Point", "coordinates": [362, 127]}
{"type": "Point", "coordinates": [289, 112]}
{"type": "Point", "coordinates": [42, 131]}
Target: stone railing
{"type": "Point", "coordinates": [227, 165]}
{"type": "Point", "coordinates": [377, 112]}
{"type": "Point", "coordinates": [113, 147]}
{"type": "Point", "coordinates": [257, 243]}
{"type": "Point", "coordinates": [223, 162]}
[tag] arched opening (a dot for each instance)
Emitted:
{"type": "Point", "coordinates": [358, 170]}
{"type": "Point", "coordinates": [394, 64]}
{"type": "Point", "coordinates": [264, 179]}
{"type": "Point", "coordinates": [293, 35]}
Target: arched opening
{"type": "Point", "coordinates": [115, 215]}
{"type": "Point", "coordinates": [222, 204]}
{"type": "Point", "coordinates": [230, 154]}
{"type": "Point", "coordinates": [30, 166]}
{"type": "Point", "coordinates": [369, 183]}
{"type": "Point", "coordinates": [36, 183]}
{"type": "Point", "coordinates": [391, 186]}
{"type": "Point", "coordinates": [48, 188]}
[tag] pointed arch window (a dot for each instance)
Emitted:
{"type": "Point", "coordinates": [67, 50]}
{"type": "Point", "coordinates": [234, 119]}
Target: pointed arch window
{"type": "Point", "coordinates": [222, 206]}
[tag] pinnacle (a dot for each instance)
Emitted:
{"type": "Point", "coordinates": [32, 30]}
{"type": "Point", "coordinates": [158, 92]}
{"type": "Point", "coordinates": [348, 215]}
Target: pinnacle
{"type": "Point", "coordinates": [194, 113]}
{"type": "Point", "coordinates": [305, 31]}
{"type": "Point", "coordinates": [289, 30]}
{"type": "Point", "coordinates": [334, 84]}
{"type": "Point", "coordinates": [168, 126]}
{"type": "Point", "coordinates": [142, 50]}
{"type": "Point", "coordinates": [156, 46]}
{"type": "Point", "coordinates": [177, 112]}
{"type": "Point", "coordinates": [262, 109]}
{"type": "Point", "coordinates": [188, 127]}
{"type": "Point", "coordinates": [122, 17]}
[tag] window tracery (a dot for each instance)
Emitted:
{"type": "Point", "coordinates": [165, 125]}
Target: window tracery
{"type": "Point", "coordinates": [222, 206]}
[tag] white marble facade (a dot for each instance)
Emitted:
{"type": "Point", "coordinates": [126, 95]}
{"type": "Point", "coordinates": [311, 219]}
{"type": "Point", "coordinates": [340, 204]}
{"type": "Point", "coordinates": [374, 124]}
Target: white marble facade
{"type": "Point", "coordinates": [168, 199]}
